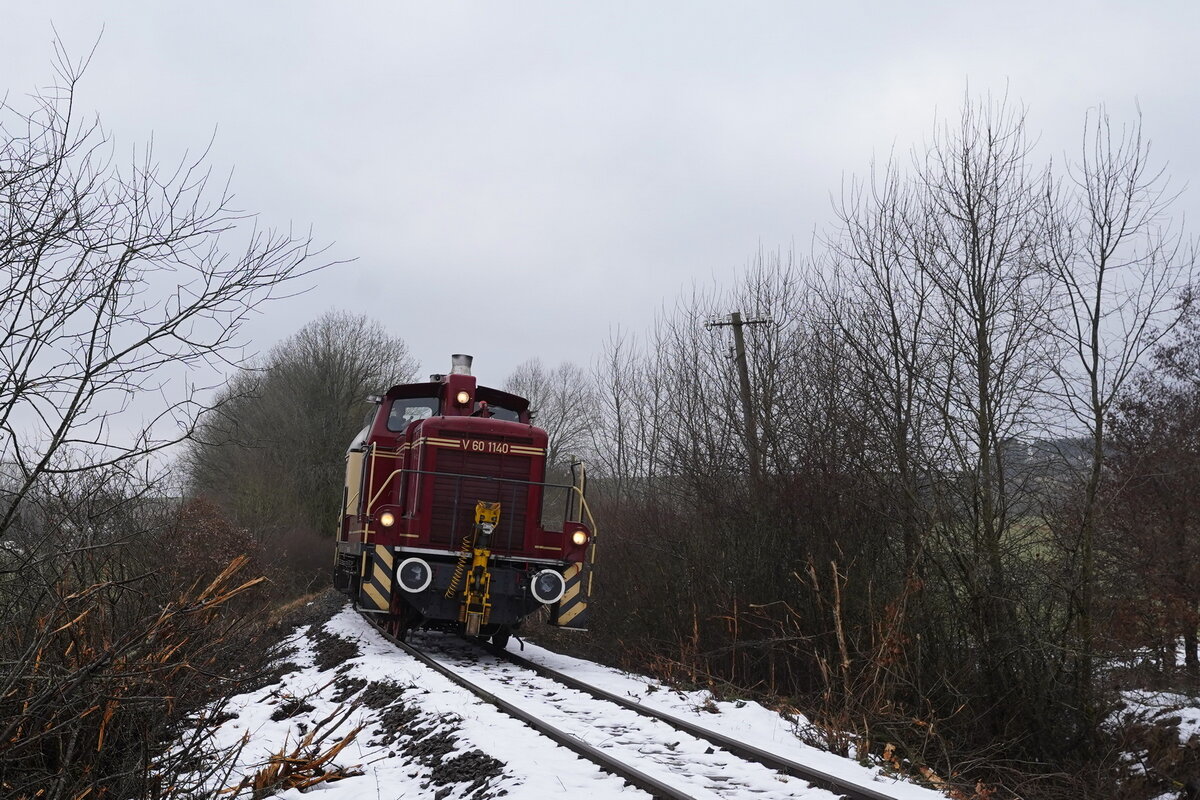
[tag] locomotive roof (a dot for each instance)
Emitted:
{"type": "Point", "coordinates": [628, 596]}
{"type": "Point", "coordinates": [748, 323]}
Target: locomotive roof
{"type": "Point", "coordinates": [435, 388]}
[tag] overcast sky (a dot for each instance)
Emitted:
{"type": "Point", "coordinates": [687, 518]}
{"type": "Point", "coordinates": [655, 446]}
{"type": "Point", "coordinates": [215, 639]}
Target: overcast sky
{"type": "Point", "coordinates": [517, 179]}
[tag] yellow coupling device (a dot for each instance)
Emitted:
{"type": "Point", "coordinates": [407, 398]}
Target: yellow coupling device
{"type": "Point", "coordinates": [477, 604]}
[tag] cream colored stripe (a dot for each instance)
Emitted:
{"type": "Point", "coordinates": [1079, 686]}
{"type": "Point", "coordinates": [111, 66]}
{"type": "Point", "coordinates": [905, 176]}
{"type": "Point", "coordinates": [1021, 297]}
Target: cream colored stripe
{"type": "Point", "coordinates": [571, 572]}
{"type": "Point", "coordinates": [383, 554]}
{"type": "Point", "coordinates": [545, 547]}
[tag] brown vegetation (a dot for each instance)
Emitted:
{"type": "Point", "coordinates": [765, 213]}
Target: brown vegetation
{"type": "Point", "coordinates": [271, 456]}
{"type": "Point", "coordinates": [950, 420]}
{"type": "Point", "coordinates": [125, 618]}
{"type": "Point", "coordinates": [117, 654]}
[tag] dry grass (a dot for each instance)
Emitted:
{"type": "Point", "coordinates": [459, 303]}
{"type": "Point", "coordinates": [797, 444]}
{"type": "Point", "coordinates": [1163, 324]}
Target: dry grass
{"type": "Point", "coordinates": [308, 764]}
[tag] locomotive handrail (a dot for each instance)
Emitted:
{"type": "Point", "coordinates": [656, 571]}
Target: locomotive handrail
{"type": "Point", "coordinates": [583, 503]}
{"type": "Point", "coordinates": [484, 478]}
{"type": "Point", "coordinates": [402, 471]}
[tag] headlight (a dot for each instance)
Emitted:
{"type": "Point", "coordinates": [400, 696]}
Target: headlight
{"type": "Point", "coordinates": [547, 586]}
{"type": "Point", "coordinates": [463, 398]}
{"type": "Point", "coordinates": [414, 575]}
{"type": "Point", "coordinates": [579, 537]}
{"type": "Point", "coordinates": [387, 519]}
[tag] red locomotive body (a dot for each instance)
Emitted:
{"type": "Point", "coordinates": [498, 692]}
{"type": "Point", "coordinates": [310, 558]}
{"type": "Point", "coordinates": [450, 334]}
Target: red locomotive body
{"type": "Point", "coordinates": [443, 521]}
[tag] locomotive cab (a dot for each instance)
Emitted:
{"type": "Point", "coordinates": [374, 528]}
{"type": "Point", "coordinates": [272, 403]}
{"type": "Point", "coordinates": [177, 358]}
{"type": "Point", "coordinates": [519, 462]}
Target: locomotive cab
{"type": "Point", "coordinates": [448, 521]}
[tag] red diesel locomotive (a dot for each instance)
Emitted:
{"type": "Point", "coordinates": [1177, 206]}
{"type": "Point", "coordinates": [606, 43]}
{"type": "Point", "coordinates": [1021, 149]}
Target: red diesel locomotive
{"type": "Point", "coordinates": [448, 521]}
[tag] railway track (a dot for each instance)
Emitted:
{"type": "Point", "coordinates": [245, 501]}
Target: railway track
{"type": "Point", "coordinates": [657, 752]}
{"type": "Point", "coordinates": [748, 752]}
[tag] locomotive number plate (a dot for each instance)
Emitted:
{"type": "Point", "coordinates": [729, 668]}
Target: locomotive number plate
{"type": "Point", "coordinates": [481, 446]}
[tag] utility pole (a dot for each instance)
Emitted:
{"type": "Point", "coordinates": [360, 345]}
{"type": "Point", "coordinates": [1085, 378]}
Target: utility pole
{"type": "Point", "coordinates": [739, 355]}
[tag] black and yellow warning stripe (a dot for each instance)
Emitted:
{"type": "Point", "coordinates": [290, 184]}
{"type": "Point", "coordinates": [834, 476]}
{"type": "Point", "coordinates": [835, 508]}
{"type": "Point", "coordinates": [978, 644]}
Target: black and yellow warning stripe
{"type": "Point", "coordinates": [571, 610]}
{"type": "Point", "coordinates": [378, 571]}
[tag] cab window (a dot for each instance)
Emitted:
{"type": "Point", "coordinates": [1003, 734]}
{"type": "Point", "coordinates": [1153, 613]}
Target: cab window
{"type": "Point", "coordinates": [502, 413]}
{"type": "Point", "coordinates": [410, 409]}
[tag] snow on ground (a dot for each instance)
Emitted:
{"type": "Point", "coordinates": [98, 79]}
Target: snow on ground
{"type": "Point", "coordinates": [690, 764]}
{"type": "Point", "coordinates": [1157, 707]}
{"type": "Point", "coordinates": [428, 709]}
{"type": "Point", "coordinates": [748, 722]}
{"type": "Point", "coordinates": [1159, 733]}
{"type": "Point", "coordinates": [422, 736]}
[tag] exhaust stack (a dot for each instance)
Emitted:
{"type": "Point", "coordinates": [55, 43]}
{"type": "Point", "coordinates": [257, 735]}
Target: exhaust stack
{"type": "Point", "coordinates": [460, 364]}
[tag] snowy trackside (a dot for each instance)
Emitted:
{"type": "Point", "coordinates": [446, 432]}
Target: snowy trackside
{"type": "Point", "coordinates": [748, 722]}
{"type": "Point", "coordinates": [422, 736]}
{"type": "Point", "coordinates": [405, 746]}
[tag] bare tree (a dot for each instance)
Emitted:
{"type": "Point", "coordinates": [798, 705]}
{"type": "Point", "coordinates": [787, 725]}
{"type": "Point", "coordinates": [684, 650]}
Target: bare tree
{"type": "Point", "coordinates": [610, 376]}
{"type": "Point", "coordinates": [939, 288]}
{"type": "Point", "coordinates": [880, 306]}
{"type": "Point", "coordinates": [271, 453]}
{"type": "Point", "coordinates": [562, 401]}
{"type": "Point", "coordinates": [118, 284]}
{"type": "Point", "coordinates": [1119, 265]}
{"type": "Point", "coordinates": [898, 561]}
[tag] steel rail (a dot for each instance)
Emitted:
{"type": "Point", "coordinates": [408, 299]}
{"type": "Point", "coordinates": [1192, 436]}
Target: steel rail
{"type": "Point", "coordinates": [636, 777]}
{"type": "Point", "coordinates": [816, 777]}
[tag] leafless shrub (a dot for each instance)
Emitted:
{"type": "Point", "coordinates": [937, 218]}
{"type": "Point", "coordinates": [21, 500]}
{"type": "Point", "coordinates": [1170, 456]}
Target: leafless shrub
{"type": "Point", "coordinates": [271, 456]}
{"type": "Point", "coordinates": [119, 284]}
{"type": "Point", "coordinates": [931, 407]}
